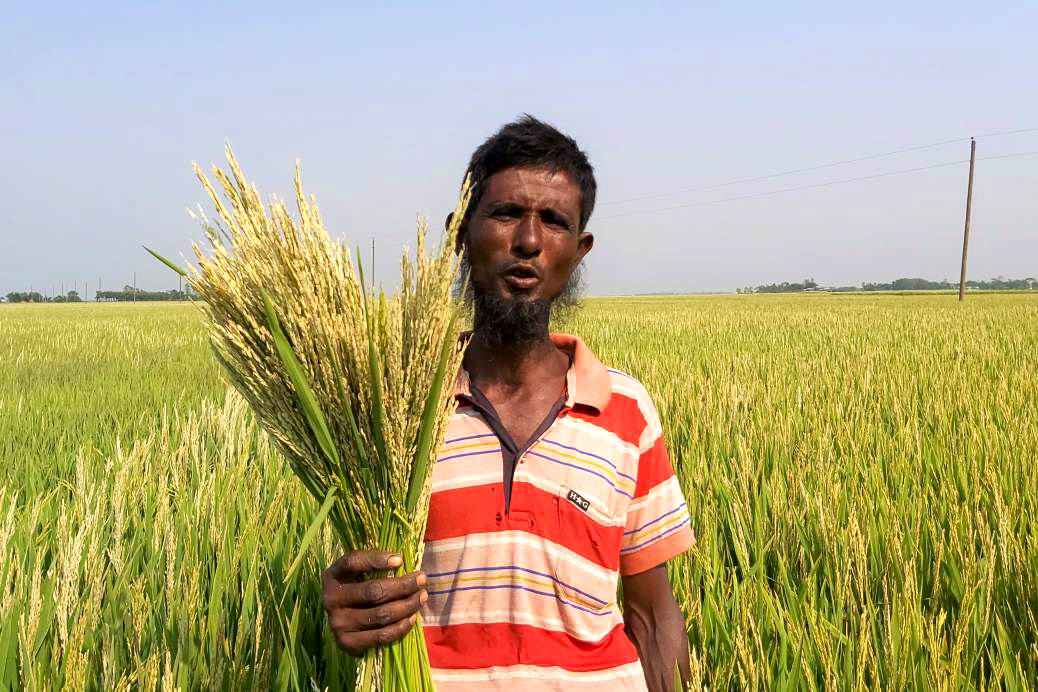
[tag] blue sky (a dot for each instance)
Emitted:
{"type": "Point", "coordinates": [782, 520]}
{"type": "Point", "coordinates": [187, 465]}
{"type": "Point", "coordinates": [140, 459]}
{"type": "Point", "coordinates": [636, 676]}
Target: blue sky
{"type": "Point", "coordinates": [104, 107]}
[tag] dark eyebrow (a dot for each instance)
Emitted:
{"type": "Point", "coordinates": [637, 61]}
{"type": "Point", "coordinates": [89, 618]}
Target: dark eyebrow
{"type": "Point", "coordinates": [506, 205]}
{"type": "Point", "coordinates": [556, 216]}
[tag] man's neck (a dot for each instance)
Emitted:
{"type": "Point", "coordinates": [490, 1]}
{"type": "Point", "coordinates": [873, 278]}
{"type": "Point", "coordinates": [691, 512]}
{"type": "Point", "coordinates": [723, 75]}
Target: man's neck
{"type": "Point", "coordinates": [511, 368]}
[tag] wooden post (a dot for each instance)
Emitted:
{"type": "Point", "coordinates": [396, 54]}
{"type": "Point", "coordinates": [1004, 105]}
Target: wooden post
{"type": "Point", "coordinates": [966, 231]}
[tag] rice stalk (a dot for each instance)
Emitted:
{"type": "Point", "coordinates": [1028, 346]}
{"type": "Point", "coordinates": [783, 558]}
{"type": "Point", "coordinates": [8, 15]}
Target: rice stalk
{"type": "Point", "coordinates": [353, 386]}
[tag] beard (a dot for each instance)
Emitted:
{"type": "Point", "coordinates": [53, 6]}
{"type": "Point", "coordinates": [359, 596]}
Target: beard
{"type": "Point", "coordinates": [515, 323]}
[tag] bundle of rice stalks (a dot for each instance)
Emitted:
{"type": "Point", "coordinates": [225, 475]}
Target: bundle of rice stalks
{"type": "Point", "coordinates": [354, 386]}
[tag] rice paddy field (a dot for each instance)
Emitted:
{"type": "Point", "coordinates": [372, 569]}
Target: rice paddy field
{"type": "Point", "coordinates": [862, 474]}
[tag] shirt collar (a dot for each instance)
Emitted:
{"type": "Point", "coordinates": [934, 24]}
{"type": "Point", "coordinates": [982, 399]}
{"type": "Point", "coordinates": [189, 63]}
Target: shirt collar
{"type": "Point", "coordinates": [587, 380]}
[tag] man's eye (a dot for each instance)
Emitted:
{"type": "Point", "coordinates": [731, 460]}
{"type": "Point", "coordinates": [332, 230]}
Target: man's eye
{"type": "Point", "coordinates": [504, 214]}
{"type": "Point", "coordinates": [555, 221]}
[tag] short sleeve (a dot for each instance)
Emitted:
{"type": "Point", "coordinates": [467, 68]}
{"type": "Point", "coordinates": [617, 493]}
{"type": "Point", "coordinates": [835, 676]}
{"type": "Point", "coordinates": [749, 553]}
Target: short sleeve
{"type": "Point", "coordinates": [658, 526]}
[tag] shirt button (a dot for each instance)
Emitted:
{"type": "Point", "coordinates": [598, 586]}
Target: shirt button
{"type": "Point", "coordinates": [498, 516]}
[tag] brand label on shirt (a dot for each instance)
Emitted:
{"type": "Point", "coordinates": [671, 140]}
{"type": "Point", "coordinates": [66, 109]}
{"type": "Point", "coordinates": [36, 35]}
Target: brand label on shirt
{"type": "Point", "coordinates": [579, 501]}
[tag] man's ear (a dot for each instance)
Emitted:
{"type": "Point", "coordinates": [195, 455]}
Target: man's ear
{"type": "Point", "coordinates": [585, 241]}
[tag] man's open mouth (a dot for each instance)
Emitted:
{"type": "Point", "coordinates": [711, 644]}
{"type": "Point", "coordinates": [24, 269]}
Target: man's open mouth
{"type": "Point", "coordinates": [522, 276]}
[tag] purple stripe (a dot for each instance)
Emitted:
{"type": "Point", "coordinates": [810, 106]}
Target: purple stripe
{"type": "Point", "coordinates": [654, 538]}
{"type": "Point", "coordinates": [468, 437]}
{"type": "Point", "coordinates": [467, 454]}
{"type": "Point", "coordinates": [524, 588]}
{"type": "Point", "coordinates": [581, 468]}
{"type": "Point", "coordinates": [621, 373]}
{"type": "Point", "coordinates": [676, 509]}
{"type": "Point", "coordinates": [590, 454]}
{"type": "Point", "coordinates": [521, 569]}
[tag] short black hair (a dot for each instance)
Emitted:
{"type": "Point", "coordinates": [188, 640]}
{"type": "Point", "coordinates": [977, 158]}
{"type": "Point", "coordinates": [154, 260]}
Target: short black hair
{"type": "Point", "coordinates": [532, 143]}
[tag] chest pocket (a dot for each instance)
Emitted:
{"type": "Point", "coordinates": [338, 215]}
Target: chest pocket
{"type": "Point", "coordinates": [585, 570]}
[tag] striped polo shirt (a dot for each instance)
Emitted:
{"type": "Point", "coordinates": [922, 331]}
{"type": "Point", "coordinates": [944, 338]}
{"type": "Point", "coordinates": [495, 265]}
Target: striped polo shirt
{"type": "Point", "coordinates": [525, 599]}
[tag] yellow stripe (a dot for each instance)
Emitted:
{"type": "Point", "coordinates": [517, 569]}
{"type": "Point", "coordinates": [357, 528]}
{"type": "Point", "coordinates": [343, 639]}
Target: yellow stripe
{"type": "Point", "coordinates": [447, 451]}
{"type": "Point", "coordinates": [556, 452]}
{"type": "Point", "coordinates": [514, 579]}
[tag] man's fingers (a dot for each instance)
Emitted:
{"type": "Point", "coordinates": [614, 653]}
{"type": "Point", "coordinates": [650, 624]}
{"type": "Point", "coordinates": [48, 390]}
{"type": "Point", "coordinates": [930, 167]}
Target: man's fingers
{"type": "Point", "coordinates": [353, 565]}
{"type": "Point", "coordinates": [372, 592]}
{"type": "Point", "coordinates": [356, 643]}
{"type": "Point", "coordinates": [388, 613]}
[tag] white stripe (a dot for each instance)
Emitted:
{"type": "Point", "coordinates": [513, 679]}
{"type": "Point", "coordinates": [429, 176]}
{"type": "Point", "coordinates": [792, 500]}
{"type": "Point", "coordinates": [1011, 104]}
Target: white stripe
{"type": "Point", "coordinates": [661, 494]}
{"type": "Point", "coordinates": [629, 670]}
{"type": "Point", "coordinates": [602, 441]}
{"type": "Point", "coordinates": [576, 627]}
{"type": "Point", "coordinates": [551, 549]}
{"type": "Point", "coordinates": [446, 481]}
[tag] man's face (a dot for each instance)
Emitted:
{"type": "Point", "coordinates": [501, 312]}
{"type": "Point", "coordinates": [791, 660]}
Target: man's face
{"type": "Point", "coordinates": [522, 239]}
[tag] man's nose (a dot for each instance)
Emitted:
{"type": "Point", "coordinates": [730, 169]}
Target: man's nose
{"type": "Point", "coordinates": [526, 241]}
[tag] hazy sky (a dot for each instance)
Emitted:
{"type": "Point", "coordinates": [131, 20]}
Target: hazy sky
{"type": "Point", "coordinates": [103, 107]}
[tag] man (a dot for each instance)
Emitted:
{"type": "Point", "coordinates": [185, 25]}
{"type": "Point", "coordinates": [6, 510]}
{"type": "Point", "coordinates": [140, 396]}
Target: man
{"type": "Point", "coordinates": [554, 478]}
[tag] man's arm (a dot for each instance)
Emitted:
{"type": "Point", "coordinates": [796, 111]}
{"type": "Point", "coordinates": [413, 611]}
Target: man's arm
{"type": "Point", "coordinates": [656, 626]}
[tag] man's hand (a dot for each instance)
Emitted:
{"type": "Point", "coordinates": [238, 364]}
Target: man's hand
{"type": "Point", "coordinates": [365, 613]}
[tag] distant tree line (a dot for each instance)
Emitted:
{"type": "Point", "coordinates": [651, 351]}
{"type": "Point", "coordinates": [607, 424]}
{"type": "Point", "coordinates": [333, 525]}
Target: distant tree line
{"type": "Point", "coordinates": [128, 293]}
{"type": "Point", "coordinates": [997, 284]}
{"type": "Point", "coordinates": [37, 297]}
{"type": "Point", "coordinates": [904, 284]}
{"type": "Point", "coordinates": [785, 287]}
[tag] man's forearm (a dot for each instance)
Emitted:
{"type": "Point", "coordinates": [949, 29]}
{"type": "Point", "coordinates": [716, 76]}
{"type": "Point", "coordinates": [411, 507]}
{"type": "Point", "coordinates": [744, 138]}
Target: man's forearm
{"type": "Point", "coordinates": [657, 628]}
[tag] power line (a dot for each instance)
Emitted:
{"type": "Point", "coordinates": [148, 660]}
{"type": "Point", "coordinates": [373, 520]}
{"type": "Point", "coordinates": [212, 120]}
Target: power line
{"type": "Point", "coordinates": [812, 186]}
{"type": "Point", "coordinates": [821, 166]}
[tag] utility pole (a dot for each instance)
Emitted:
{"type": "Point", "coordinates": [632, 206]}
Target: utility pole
{"type": "Point", "coordinates": [969, 209]}
{"type": "Point", "coordinates": [372, 261]}
{"type": "Point", "coordinates": [135, 287]}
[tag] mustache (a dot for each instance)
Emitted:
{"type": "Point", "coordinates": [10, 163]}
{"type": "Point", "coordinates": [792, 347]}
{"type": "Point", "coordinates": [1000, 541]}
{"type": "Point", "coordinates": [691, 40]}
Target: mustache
{"type": "Point", "coordinates": [568, 300]}
{"type": "Point", "coordinates": [515, 323]}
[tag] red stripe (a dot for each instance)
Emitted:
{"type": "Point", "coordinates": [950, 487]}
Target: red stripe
{"type": "Point", "coordinates": [480, 509]}
{"type": "Point", "coordinates": [475, 645]}
{"type": "Point", "coordinates": [653, 468]}
{"type": "Point", "coordinates": [621, 416]}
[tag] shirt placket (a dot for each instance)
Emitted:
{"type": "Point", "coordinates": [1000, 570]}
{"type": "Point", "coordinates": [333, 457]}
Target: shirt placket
{"type": "Point", "coordinates": [513, 456]}
{"type": "Point", "coordinates": [519, 501]}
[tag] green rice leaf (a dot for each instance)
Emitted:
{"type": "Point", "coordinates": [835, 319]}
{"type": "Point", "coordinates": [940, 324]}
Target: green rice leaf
{"type": "Point", "coordinates": [311, 532]}
{"type": "Point", "coordinates": [165, 261]}
{"type": "Point", "coordinates": [307, 401]}
{"type": "Point", "coordinates": [430, 415]}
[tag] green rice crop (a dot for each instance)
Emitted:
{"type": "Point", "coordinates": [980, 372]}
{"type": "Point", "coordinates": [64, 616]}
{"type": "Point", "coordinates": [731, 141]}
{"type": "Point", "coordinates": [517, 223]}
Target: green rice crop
{"type": "Point", "coordinates": [859, 470]}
